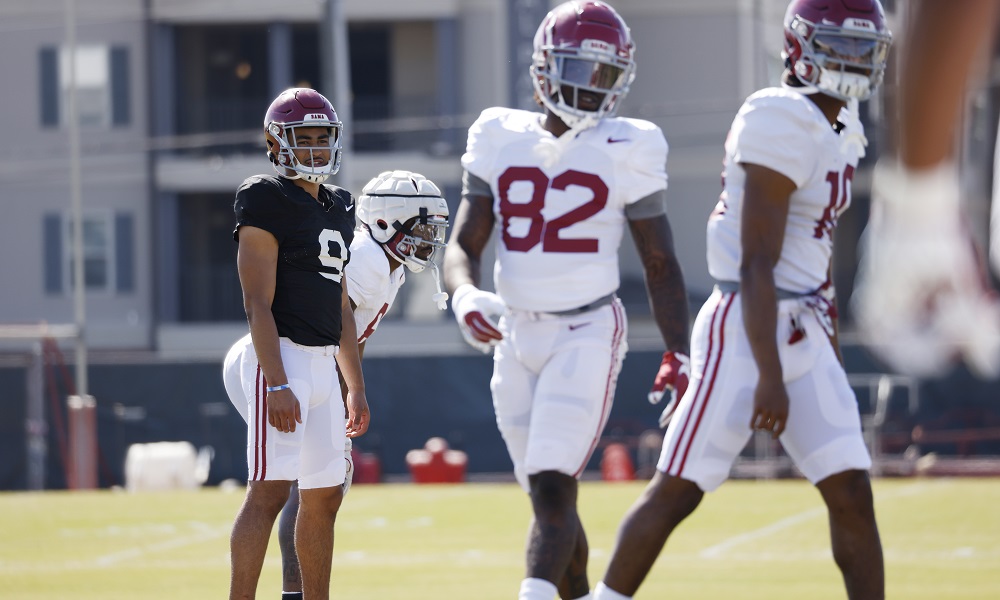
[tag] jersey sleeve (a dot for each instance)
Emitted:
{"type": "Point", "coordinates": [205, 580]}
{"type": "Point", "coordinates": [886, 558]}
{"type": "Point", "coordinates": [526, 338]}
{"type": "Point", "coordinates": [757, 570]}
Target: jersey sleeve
{"type": "Point", "coordinates": [771, 133]}
{"type": "Point", "coordinates": [258, 204]}
{"type": "Point", "coordinates": [479, 151]}
{"type": "Point", "coordinates": [647, 163]}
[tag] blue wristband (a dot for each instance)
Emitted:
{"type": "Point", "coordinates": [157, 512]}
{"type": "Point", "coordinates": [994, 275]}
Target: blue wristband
{"type": "Point", "coordinates": [278, 388]}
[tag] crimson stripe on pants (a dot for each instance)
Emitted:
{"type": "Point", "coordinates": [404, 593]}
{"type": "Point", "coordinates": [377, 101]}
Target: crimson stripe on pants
{"type": "Point", "coordinates": [616, 342]}
{"type": "Point", "coordinates": [260, 429]}
{"type": "Point", "coordinates": [706, 385]}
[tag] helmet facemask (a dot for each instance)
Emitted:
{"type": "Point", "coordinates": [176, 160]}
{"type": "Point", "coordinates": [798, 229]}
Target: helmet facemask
{"type": "Point", "coordinates": [408, 216]}
{"type": "Point", "coordinates": [846, 62]}
{"type": "Point", "coordinates": [567, 80]}
{"type": "Point", "coordinates": [417, 241]}
{"type": "Point", "coordinates": [321, 154]}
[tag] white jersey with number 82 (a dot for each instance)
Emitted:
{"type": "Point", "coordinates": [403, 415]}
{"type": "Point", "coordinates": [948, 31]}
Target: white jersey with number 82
{"type": "Point", "coordinates": [559, 202]}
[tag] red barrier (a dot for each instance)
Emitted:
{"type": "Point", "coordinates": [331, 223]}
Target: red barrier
{"type": "Point", "coordinates": [435, 463]}
{"type": "Point", "coordinates": [367, 467]}
{"type": "Point", "coordinates": [616, 464]}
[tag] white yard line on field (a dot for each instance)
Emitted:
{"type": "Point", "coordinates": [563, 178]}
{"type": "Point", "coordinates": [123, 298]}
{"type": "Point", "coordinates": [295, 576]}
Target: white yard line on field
{"type": "Point", "coordinates": [720, 549]}
{"type": "Point", "coordinates": [203, 532]}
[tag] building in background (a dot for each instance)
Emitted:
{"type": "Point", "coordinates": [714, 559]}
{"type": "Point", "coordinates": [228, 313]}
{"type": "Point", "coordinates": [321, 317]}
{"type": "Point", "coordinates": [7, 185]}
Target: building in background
{"type": "Point", "coordinates": [171, 96]}
{"type": "Point", "coordinates": [172, 93]}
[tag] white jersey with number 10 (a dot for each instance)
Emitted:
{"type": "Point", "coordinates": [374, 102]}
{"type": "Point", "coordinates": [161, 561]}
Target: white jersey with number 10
{"type": "Point", "coordinates": [785, 131]}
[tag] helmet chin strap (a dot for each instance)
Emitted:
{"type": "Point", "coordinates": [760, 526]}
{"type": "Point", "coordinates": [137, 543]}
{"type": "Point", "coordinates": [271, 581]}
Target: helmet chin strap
{"type": "Point", "coordinates": [441, 297]}
{"type": "Point", "coordinates": [805, 89]}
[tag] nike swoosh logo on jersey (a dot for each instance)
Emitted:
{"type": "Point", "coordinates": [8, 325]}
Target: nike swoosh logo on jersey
{"type": "Point", "coordinates": [578, 325]}
{"type": "Point", "coordinates": [612, 140]}
{"type": "Point", "coordinates": [349, 207]}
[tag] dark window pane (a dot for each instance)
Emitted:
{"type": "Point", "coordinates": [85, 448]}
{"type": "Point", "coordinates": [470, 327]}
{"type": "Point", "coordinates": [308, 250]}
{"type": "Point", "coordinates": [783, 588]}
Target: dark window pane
{"type": "Point", "coordinates": [120, 106]}
{"type": "Point", "coordinates": [124, 251]}
{"type": "Point", "coordinates": [48, 92]}
{"type": "Point", "coordinates": [53, 253]}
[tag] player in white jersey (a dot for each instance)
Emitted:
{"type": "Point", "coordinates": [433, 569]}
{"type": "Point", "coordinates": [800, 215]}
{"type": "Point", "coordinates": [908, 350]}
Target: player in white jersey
{"type": "Point", "coordinates": [403, 218]}
{"type": "Point", "coordinates": [560, 188]}
{"type": "Point", "coordinates": [767, 335]}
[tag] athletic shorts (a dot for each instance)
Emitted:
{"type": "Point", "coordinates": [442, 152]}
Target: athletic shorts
{"type": "Point", "coordinates": [712, 422]}
{"type": "Point", "coordinates": [553, 385]}
{"type": "Point", "coordinates": [313, 453]}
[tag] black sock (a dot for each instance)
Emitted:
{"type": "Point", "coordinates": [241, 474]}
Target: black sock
{"type": "Point", "coordinates": [291, 595]}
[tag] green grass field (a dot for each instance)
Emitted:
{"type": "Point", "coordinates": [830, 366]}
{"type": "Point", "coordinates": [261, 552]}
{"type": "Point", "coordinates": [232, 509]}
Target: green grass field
{"type": "Point", "coordinates": [748, 540]}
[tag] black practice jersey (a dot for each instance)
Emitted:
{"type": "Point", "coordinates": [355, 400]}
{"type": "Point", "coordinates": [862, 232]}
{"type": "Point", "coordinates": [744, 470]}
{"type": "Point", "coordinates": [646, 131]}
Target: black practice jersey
{"type": "Point", "coordinates": [313, 248]}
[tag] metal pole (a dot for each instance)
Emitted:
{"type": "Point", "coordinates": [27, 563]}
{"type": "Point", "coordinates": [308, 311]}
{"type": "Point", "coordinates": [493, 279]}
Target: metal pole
{"type": "Point", "coordinates": [76, 203]}
{"type": "Point", "coordinates": [35, 419]}
{"type": "Point", "coordinates": [337, 76]}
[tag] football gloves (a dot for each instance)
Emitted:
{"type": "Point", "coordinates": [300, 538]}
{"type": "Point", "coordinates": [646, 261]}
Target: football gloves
{"type": "Point", "coordinates": [349, 457]}
{"type": "Point", "coordinates": [922, 300]}
{"type": "Point", "coordinates": [477, 313]}
{"type": "Point", "coordinates": [674, 374]}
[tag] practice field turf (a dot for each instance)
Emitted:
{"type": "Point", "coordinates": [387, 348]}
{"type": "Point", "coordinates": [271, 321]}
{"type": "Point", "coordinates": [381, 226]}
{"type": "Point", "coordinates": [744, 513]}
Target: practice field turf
{"type": "Point", "coordinates": [748, 540]}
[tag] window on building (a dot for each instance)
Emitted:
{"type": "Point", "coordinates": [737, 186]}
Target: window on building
{"type": "Point", "coordinates": [222, 77]}
{"type": "Point", "coordinates": [102, 85]}
{"type": "Point", "coordinates": [108, 247]}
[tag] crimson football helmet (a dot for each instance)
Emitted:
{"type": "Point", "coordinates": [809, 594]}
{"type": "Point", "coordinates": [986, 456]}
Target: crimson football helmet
{"type": "Point", "coordinates": [582, 47]}
{"type": "Point", "coordinates": [838, 47]}
{"type": "Point", "coordinates": [297, 108]}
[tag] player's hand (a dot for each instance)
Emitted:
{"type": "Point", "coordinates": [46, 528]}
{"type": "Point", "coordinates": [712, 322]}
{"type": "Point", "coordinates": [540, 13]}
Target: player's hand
{"type": "Point", "coordinates": [673, 376]}
{"type": "Point", "coordinates": [358, 416]}
{"type": "Point", "coordinates": [283, 410]}
{"type": "Point", "coordinates": [922, 298]}
{"type": "Point", "coordinates": [477, 313]}
{"type": "Point", "coordinates": [770, 407]}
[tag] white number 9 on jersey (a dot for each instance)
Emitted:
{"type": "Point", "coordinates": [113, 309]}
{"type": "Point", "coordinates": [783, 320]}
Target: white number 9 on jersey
{"type": "Point", "coordinates": [331, 253]}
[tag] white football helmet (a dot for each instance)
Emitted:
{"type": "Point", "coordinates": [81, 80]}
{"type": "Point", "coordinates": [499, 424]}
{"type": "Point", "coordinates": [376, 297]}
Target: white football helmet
{"type": "Point", "coordinates": [407, 214]}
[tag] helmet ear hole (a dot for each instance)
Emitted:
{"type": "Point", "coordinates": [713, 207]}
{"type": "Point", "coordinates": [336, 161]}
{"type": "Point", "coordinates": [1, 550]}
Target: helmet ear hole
{"type": "Point", "coordinates": [382, 225]}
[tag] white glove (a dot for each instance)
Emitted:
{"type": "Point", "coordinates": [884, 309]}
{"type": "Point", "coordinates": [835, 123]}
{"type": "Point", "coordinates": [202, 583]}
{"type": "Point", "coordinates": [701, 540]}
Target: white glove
{"type": "Point", "coordinates": [349, 475]}
{"type": "Point", "coordinates": [921, 300]}
{"type": "Point", "coordinates": [477, 313]}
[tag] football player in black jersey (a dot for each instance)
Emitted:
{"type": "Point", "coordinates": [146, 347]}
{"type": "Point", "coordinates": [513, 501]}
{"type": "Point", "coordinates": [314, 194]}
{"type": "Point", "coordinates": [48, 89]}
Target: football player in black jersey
{"type": "Point", "coordinates": [294, 236]}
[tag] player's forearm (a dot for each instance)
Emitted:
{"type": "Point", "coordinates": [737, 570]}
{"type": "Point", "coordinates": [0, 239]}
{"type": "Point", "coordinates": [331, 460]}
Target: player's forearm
{"type": "Point", "coordinates": [759, 301]}
{"type": "Point", "coordinates": [349, 357]}
{"type": "Point", "coordinates": [669, 303]}
{"type": "Point", "coordinates": [460, 268]}
{"type": "Point", "coordinates": [664, 280]}
{"type": "Point", "coordinates": [264, 333]}
{"type": "Point", "coordinates": [473, 226]}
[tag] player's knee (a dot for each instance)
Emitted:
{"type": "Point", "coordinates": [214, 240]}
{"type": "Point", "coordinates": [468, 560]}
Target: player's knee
{"type": "Point", "coordinates": [673, 496]}
{"type": "Point", "coordinates": [848, 494]}
{"type": "Point", "coordinates": [267, 496]}
{"type": "Point", "coordinates": [553, 493]}
{"type": "Point", "coordinates": [327, 500]}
